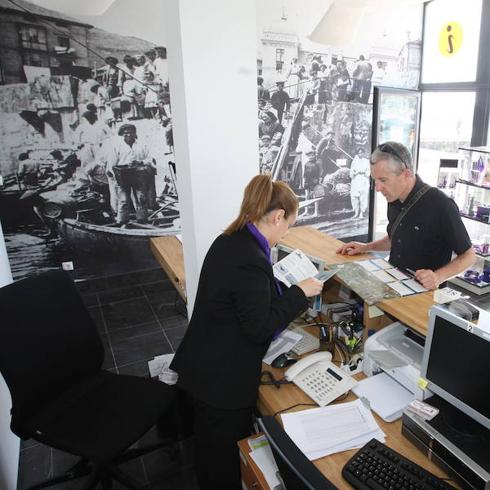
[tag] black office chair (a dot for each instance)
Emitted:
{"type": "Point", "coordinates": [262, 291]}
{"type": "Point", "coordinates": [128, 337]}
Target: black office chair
{"type": "Point", "coordinates": [296, 470]}
{"type": "Point", "coordinates": [51, 357]}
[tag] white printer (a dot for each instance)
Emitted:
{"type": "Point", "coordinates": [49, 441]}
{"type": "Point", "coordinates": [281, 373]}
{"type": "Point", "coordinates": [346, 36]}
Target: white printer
{"type": "Point", "coordinates": [394, 351]}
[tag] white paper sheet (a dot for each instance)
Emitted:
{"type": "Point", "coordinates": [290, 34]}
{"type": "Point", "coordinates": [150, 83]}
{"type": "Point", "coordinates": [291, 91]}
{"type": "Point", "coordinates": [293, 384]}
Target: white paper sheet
{"type": "Point", "coordinates": [368, 265]}
{"type": "Point", "coordinates": [284, 343]}
{"type": "Point", "coordinates": [382, 263]}
{"type": "Point", "coordinates": [416, 286]}
{"type": "Point", "coordinates": [386, 397]}
{"type": "Point", "coordinates": [264, 459]}
{"type": "Point", "coordinates": [322, 431]}
{"type": "Point", "coordinates": [383, 276]}
{"type": "Point", "coordinates": [397, 274]}
{"type": "Point", "coordinates": [294, 268]}
{"type": "Point", "coordinates": [400, 288]}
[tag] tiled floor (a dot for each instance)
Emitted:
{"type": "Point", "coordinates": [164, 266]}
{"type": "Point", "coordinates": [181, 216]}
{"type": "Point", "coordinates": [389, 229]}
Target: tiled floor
{"type": "Point", "coordinates": [139, 316]}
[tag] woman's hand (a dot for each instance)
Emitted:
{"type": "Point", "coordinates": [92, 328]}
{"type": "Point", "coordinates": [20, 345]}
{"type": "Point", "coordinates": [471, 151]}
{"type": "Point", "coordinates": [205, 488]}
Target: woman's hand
{"type": "Point", "coordinates": [311, 286]}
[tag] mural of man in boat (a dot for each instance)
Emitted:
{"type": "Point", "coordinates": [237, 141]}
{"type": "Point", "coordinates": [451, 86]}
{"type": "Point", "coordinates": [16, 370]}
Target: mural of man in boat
{"type": "Point", "coordinates": [69, 195]}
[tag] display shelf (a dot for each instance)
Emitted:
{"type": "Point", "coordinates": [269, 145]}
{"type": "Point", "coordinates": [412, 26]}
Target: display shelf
{"type": "Point", "coordinates": [473, 218]}
{"type": "Point", "coordinates": [479, 289]}
{"type": "Point", "coordinates": [472, 184]}
{"type": "Point", "coordinates": [479, 149]}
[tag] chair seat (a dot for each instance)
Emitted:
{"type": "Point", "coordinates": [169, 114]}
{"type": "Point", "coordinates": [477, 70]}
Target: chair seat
{"type": "Point", "coordinates": [102, 416]}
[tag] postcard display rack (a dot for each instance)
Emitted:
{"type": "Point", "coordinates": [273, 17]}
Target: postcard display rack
{"type": "Point", "coordinates": [472, 196]}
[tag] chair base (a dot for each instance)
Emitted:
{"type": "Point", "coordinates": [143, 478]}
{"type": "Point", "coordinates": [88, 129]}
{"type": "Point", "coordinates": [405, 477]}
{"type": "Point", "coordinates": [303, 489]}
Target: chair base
{"type": "Point", "coordinates": [105, 474]}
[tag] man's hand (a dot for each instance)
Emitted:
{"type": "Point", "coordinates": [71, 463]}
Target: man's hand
{"type": "Point", "coordinates": [429, 279]}
{"type": "Point", "coordinates": [352, 248]}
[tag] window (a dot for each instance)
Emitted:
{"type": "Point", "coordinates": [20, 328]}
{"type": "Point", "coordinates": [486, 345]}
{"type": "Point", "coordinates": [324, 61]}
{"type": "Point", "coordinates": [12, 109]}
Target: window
{"type": "Point", "coordinates": [446, 124]}
{"type": "Point", "coordinates": [451, 39]}
{"type": "Point", "coordinates": [33, 37]}
{"type": "Point", "coordinates": [63, 41]}
{"type": "Point", "coordinates": [35, 59]}
{"type": "Point", "coordinates": [279, 59]}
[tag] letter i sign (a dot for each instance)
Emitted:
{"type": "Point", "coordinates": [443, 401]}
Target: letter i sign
{"type": "Point", "coordinates": [450, 38]}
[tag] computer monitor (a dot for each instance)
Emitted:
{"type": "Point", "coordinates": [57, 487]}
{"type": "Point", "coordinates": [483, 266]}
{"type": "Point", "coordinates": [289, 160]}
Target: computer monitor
{"type": "Point", "coordinates": [456, 363]}
{"type": "Point", "coordinates": [296, 470]}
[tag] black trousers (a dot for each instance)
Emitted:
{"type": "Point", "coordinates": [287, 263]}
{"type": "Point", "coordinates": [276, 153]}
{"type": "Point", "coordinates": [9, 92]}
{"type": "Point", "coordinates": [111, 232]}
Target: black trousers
{"type": "Point", "coordinates": [217, 432]}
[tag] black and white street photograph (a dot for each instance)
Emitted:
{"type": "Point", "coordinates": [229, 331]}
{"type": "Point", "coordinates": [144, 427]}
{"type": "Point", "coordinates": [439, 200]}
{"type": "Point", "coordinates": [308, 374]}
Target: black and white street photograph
{"type": "Point", "coordinates": [315, 85]}
{"type": "Point", "coordinates": [86, 160]}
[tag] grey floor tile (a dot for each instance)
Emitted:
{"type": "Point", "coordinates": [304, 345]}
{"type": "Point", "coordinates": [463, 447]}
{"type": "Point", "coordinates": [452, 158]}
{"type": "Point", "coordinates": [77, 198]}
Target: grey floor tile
{"type": "Point", "coordinates": [175, 336]}
{"type": "Point", "coordinates": [173, 321]}
{"type": "Point", "coordinates": [140, 348]}
{"type": "Point", "coordinates": [108, 357]}
{"type": "Point", "coordinates": [120, 294]}
{"type": "Point", "coordinates": [121, 334]}
{"type": "Point", "coordinates": [127, 313]}
{"type": "Point", "coordinates": [90, 299]}
{"type": "Point", "coordinates": [139, 368]}
{"type": "Point", "coordinates": [157, 287]}
{"type": "Point", "coordinates": [96, 315]}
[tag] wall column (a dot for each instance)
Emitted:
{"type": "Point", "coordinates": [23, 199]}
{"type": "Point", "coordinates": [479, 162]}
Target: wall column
{"type": "Point", "coordinates": [212, 66]}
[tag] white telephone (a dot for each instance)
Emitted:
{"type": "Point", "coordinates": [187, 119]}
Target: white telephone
{"type": "Point", "coordinates": [320, 378]}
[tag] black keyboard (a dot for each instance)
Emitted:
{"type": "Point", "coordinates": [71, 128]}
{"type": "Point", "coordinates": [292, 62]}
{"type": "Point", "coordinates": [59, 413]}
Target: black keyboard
{"type": "Point", "coordinates": [377, 467]}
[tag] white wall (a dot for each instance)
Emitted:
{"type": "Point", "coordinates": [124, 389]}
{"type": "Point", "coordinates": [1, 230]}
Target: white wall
{"type": "Point", "coordinates": [212, 67]}
{"type": "Point", "coordinates": [9, 444]}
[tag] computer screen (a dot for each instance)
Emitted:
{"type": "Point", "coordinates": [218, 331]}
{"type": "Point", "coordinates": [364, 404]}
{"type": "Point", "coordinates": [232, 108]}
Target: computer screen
{"type": "Point", "coordinates": [456, 363]}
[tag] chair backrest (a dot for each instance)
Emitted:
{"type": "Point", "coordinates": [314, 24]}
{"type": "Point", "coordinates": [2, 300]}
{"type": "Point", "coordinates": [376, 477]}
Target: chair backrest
{"type": "Point", "coordinates": [296, 470]}
{"type": "Point", "coordinates": [48, 342]}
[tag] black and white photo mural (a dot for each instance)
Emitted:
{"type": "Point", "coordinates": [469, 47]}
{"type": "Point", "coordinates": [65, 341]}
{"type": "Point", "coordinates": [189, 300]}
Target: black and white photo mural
{"type": "Point", "coordinates": [317, 64]}
{"type": "Point", "coordinates": [86, 154]}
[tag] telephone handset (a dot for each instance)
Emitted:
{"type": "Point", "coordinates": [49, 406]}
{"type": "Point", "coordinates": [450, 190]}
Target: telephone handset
{"type": "Point", "coordinates": [320, 378]}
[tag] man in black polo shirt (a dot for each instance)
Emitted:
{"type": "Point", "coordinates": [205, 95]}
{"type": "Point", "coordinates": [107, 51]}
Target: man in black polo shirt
{"type": "Point", "coordinates": [424, 225]}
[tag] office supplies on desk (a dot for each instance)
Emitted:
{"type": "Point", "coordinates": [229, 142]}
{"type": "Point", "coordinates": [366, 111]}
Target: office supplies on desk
{"type": "Point", "coordinates": [319, 432]}
{"type": "Point", "coordinates": [319, 378]}
{"type": "Point", "coordinates": [395, 351]}
{"type": "Point", "coordinates": [307, 343]}
{"type": "Point", "coordinates": [284, 343]}
{"type": "Point", "coordinates": [377, 466]}
{"type": "Point", "coordinates": [385, 396]}
{"type": "Point", "coordinates": [263, 458]}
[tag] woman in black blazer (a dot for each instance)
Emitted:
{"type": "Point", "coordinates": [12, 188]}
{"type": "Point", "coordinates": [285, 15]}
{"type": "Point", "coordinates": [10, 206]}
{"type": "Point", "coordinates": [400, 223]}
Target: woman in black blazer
{"type": "Point", "coordinates": [239, 307]}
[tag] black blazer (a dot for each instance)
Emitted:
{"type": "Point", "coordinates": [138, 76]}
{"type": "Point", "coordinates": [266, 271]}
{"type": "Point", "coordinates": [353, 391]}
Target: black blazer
{"type": "Point", "coordinates": [236, 312]}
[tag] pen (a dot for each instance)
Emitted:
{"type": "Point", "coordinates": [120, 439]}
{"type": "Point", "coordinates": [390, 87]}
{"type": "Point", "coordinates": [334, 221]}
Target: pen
{"type": "Point", "coordinates": [412, 273]}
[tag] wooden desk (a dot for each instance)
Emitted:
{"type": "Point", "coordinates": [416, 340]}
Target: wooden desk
{"type": "Point", "coordinates": [272, 400]}
{"type": "Point", "coordinates": [411, 310]}
{"type": "Point", "coordinates": [169, 254]}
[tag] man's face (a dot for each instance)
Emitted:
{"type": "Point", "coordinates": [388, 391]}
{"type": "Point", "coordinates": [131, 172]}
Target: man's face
{"type": "Point", "coordinates": [392, 186]}
{"type": "Point", "coordinates": [129, 136]}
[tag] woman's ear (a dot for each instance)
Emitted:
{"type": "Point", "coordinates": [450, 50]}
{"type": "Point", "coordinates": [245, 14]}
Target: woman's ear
{"type": "Point", "coordinates": [277, 216]}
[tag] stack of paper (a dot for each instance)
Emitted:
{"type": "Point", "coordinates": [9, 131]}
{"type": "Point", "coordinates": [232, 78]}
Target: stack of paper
{"type": "Point", "coordinates": [262, 455]}
{"type": "Point", "coordinates": [332, 429]}
{"type": "Point", "coordinates": [159, 366]}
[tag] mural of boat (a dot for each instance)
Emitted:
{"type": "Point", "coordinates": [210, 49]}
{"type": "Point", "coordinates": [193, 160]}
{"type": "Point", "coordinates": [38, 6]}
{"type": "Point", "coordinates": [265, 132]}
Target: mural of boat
{"type": "Point", "coordinates": [16, 201]}
{"type": "Point", "coordinates": [132, 241]}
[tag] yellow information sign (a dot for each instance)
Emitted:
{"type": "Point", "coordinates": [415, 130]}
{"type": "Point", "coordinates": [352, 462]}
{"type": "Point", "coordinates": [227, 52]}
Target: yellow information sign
{"type": "Point", "coordinates": [450, 38]}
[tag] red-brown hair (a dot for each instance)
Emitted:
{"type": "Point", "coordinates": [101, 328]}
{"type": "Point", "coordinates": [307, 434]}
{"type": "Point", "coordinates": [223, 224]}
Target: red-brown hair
{"type": "Point", "coordinates": [263, 195]}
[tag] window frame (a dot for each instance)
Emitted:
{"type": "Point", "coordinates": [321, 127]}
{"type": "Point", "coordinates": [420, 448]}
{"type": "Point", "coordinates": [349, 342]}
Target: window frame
{"type": "Point", "coordinates": [481, 86]}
